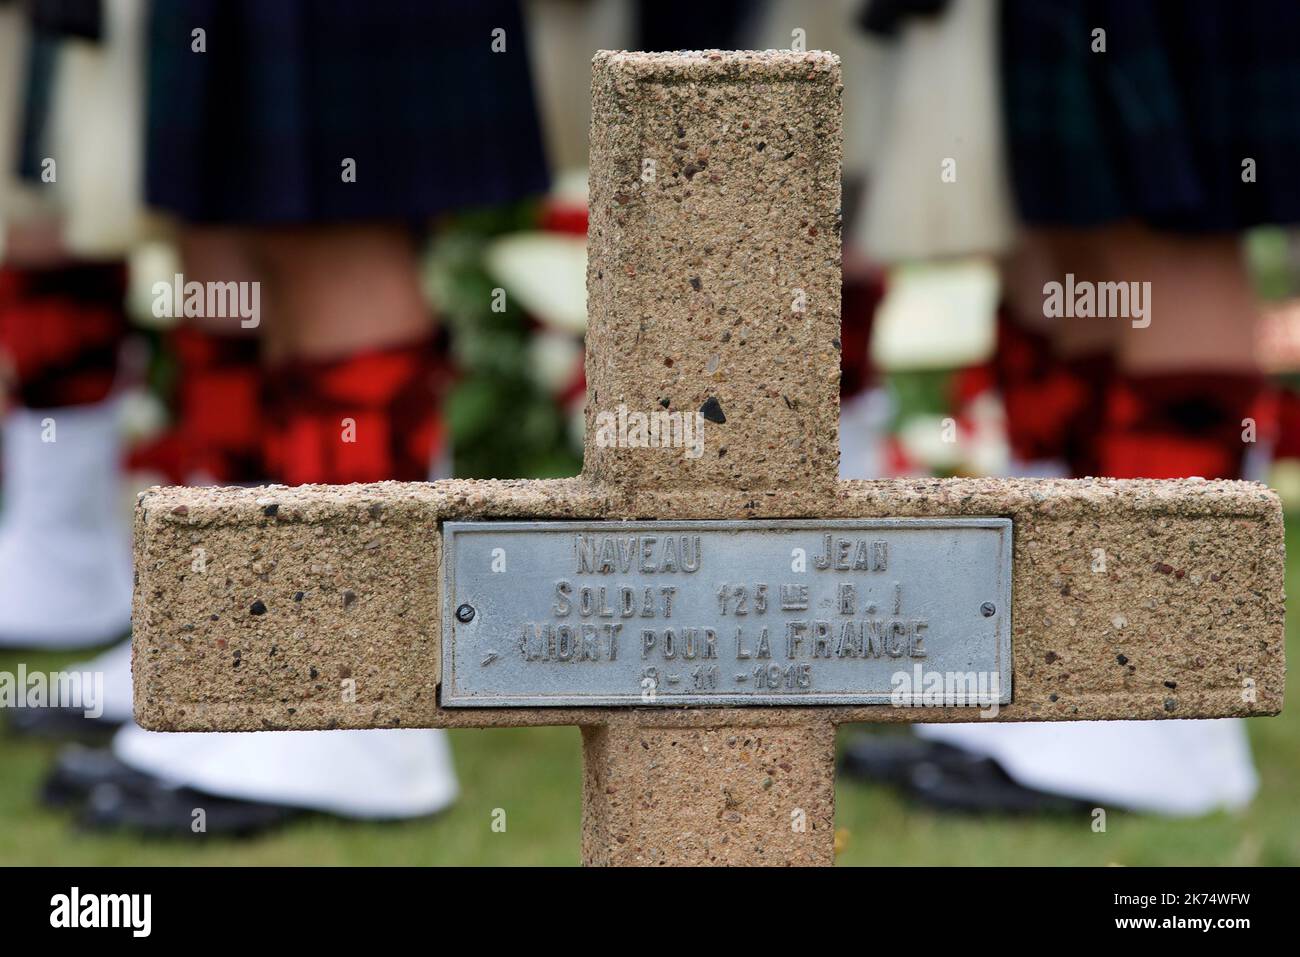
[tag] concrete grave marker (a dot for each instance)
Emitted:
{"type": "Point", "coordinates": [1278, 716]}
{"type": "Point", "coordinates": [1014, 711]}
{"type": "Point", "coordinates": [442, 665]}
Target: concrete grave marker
{"type": "Point", "coordinates": [713, 284]}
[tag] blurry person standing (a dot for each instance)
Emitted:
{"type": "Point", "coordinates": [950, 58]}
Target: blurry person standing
{"type": "Point", "coordinates": [1142, 140]}
{"type": "Point", "coordinates": [306, 147]}
{"type": "Point", "coordinates": [70, 210]}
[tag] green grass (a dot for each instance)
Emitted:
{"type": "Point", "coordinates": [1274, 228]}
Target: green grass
{"type": "Point", "coordinates": [535, 776]}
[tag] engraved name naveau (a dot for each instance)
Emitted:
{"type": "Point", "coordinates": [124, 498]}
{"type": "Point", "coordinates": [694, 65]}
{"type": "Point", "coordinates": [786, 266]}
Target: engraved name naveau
{"type": "Point", "coordinates": [620, 600]}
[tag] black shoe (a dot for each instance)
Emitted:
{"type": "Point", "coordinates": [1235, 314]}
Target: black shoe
{"type": "Point", "coordinates": [156, 810]}
{"type": "Point", "coordinates": [890, 758]}
{"type": "Point", "coordinates": [948, 778]}
{"type": "Point", "coordinates": [78, 771]}
{"type": "Point", "coordinates": [116, 796]}
{"type": "Point", "coordinates": [61, 724]}
{"type": "Point", "coordinates": [974, 784]}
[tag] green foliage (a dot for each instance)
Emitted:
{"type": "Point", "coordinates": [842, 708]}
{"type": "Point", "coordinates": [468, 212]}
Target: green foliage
{"type": "Point", "coordinates": [1273, 257]}
{"type": "Point", "coordinates": [920, 392]}
{"type": "Point", "coordinates": [502, 424]}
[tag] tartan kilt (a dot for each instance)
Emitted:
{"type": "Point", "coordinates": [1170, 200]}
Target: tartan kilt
{"type": "Point", "coordinates": [256, 129]}
{"type": "Point", "coordinates": [1157, 127]}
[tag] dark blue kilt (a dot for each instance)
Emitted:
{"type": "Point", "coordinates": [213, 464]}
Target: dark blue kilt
{"type": "Point", "coordinates": [1156, 128]}
{"type": "Point", "coordinates": [256, 129]}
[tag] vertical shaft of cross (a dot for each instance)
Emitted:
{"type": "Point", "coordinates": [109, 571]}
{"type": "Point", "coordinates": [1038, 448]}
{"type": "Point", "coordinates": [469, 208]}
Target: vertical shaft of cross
{"type": "Point", "coordinates": [713, 276]}
{"type": "Point", "coordinates": [658, 794]}
{"type": "Point", "coordinates": [713, 358]}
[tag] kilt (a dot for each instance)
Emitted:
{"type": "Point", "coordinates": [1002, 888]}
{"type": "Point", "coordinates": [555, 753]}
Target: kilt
{"type": "Point", "coordinates": [256, 129]}
{"type": "Point", "coordinates": [1156, 128]}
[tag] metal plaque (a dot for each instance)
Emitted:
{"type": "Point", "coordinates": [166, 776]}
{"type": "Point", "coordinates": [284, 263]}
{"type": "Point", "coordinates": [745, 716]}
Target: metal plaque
{"type": "Point", "coordinates": [908, 611]}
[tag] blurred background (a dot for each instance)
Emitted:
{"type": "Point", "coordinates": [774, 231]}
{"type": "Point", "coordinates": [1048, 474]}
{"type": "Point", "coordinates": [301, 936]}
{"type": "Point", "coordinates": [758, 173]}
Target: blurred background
{"type": "Point", "coordinates": [389, 200]}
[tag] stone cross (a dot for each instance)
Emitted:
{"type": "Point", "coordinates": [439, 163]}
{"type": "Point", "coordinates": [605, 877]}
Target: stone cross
{"type": "Point", "coordinates": [713, 284]}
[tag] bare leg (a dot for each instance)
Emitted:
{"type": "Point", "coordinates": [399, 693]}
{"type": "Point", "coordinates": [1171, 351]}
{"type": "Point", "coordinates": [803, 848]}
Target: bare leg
{"type": "Point", "coordinates": [1203, 310]}
{"type": "Point", "coordinates": [355, 394]}
{"type": "Point", "coordinates": [1053, 371]}
{"type": "Point", "coordinates": [1047, 255]}
{"type": "Point", "coordinates": [218, 398]}
{"type": "Point", "coordinates": [35, 244]}
{"type": "Point", "coordinates": [344, 289]}
{"type": "Point", "coordinates": [218, 254]}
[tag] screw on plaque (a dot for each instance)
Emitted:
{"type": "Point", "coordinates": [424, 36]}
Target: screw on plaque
{"type": "Point", "coordinates": [987, 609]}
{"type": "Point", "coordinates": [465, 613]}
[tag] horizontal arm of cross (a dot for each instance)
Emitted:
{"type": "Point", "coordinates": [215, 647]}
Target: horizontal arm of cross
{"type": "Point", "coordinates": [318, 607]}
